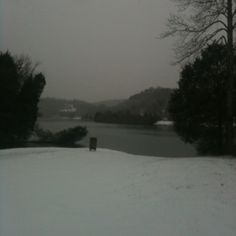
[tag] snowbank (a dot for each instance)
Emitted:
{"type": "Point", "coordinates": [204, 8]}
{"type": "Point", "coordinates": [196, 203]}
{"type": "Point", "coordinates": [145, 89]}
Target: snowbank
{"type": "Point", "coordinates": [164, 123]}
{"type": "Point", "coordinates": [58, 192]}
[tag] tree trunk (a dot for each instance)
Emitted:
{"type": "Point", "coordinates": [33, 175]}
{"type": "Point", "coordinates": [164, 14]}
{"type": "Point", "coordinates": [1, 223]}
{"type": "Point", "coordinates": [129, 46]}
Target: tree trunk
{"type": "Point", "coordinates": [230, 85]}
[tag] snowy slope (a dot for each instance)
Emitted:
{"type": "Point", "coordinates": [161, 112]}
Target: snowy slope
{"type": "Point", "coordinates": [67, 192]}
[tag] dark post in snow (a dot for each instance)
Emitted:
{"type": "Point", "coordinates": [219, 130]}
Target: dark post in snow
{"type": "Point", "coordinates": [92, 143]}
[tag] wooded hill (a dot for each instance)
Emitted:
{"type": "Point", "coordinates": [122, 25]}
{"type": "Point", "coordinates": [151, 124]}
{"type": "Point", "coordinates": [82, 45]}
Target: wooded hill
{"type": "Point", "coordinates": [145, 107]}
{"type": "Point", "coordinates": [151, 102]}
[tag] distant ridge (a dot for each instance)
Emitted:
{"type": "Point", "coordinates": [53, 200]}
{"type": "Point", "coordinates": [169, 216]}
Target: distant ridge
{"type": "Point", "coordinates": [146, 108]}
{"type": "Point", "coordinates": [151, 100]}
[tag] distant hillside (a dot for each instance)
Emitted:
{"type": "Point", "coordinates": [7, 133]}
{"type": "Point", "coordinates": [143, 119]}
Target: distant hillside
{"type": "Point", "coordinates": [110, 103]}
{"type": "Point", "coordinates": [150, 104]}
{"type": "Point", "coordinates": [145, 107]}
{"type": "Point", "coordinates": [52, 107]}
{"type": "Point", "coordinates": [150, 100]}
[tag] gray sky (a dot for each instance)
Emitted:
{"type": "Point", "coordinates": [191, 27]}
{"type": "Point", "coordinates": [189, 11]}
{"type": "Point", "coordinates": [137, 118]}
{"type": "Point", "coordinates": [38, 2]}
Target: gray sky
{"type": "Point", "coordinates": [92, 49]}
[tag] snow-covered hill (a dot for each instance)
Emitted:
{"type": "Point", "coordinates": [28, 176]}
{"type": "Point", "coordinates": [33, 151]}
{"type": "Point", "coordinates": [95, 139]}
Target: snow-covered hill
{"type": "Point", "coordinates": [58, 192]}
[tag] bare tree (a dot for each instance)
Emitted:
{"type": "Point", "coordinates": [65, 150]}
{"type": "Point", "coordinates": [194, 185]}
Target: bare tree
{"type": "Point", "coordinates": [198, 23]}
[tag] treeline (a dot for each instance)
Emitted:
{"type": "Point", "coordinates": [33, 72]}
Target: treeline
{"type": "Point", "coordinates": [145, 107]}
{"type": "Point", "coordinates": [126, 117]}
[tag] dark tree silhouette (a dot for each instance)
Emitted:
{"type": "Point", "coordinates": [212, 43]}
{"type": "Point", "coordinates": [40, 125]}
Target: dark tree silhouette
{"type": "Point", "coordinates": [198, 23]}
{"type": "Point", "coordinates": [198, 105]}
{"type": "Point", "coordinates": [20, 90]}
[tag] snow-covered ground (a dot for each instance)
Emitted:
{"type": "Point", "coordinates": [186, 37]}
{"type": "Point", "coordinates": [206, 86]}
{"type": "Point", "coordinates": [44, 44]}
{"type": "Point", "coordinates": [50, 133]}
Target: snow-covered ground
{"type": "Point", "coordinates": [71, 192]}
{"type": "Point", "coordinates": [164, 123]}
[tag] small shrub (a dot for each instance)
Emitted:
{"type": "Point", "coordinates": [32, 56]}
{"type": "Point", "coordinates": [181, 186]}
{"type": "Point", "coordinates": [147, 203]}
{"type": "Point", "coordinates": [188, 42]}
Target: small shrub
{"type": "Point", "coordinates": [67, 137]}
{"type": "Point", "coordinates": [70, 136]}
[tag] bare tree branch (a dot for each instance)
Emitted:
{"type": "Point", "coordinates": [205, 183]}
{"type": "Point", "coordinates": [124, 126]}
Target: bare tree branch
{"type": "Point", "coordinates": [196, 24]}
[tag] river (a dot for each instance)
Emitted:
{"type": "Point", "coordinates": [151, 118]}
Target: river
{"type": "Point", "coordinates": [135, 139]}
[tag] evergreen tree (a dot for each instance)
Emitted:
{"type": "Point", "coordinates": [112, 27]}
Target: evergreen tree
{"type": "Point", "coordinates": [198, 23]}
{"type": "Point", "coordinates": [198, 106]}
{"type": "Point", "coordinates": [20, 90]}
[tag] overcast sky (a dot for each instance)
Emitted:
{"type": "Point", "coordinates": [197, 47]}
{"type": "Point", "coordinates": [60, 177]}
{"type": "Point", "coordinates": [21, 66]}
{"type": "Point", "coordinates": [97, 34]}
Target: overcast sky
{"type": "Point", "coordinates": [92, 49]}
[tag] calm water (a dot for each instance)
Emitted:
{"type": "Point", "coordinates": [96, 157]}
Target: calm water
{"type": "Point", "coordinates": [142, 140]}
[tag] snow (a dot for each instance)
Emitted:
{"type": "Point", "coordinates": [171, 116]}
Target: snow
{"type": "Point", "coordinates": [164, 123]}
{"type": "Point", "coordinates": [58, 192]}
